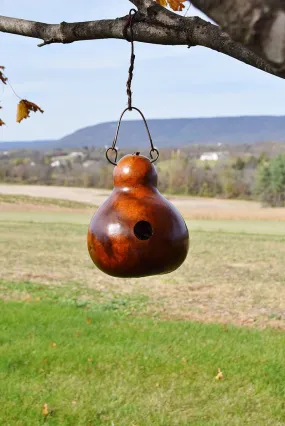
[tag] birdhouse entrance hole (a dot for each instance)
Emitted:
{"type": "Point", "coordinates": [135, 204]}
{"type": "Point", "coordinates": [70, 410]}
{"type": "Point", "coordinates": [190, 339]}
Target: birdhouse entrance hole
{"type": "Point", "coordinates": [143, 230]}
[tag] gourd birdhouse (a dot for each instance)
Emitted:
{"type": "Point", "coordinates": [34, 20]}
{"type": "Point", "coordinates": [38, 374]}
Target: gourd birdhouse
{"type": "Point", "coordinates": [137, 232]}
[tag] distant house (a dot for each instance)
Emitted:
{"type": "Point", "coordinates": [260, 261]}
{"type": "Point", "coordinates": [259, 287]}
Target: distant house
{"type": "Point", "coordinates": [55, 163]}
{"type": "Point", "coordinates": [58, 163]}
{"type": "Point", "coordinates": [209, 156]}
{"type": "Point", "coordinates": [213, 156]}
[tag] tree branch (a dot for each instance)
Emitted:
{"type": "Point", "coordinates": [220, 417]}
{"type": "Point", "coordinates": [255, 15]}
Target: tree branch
{"type": "Point", "coordinates": [257, 24]}
{"type": "Point", "coordinates": [152, 24]}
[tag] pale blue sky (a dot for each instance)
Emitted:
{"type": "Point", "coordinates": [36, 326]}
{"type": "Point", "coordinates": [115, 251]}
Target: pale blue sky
{"type": "Point", "coordinates": [83, 83]}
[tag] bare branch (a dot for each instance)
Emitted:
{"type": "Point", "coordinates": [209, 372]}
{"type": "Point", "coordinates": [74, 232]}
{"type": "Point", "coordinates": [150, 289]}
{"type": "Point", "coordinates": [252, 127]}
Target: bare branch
{"type": "Point", "coordinates": [153, 24]}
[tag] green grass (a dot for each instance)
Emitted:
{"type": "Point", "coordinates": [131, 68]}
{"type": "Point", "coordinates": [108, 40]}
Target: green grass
{"type": "Point", "coordinates": [43, 201]}
{"type": "Point", "coordinates": [230, 226]}
{"type": "Point", "coordinates": [227, 277]}
{"type": "Point", "coordinates": [112, 368]}
{"type": "Point", "coordinates": [105, 351]}
{"type": "Point", "coordinates": [45, 217]}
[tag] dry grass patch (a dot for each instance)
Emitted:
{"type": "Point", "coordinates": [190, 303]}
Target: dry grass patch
{"type": "Point", "coordinates": [18, 203]}
{"type": "Point", "coordinates": [191, 207]}
{"type": "Point", "coordinates": [227, 278]}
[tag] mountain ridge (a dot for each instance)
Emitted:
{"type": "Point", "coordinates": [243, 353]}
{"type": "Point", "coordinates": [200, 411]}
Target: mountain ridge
{"type": "Point", "coordinates": [171, 132]}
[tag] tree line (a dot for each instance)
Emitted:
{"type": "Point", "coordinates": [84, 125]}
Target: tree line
{"type": "Point", "coordinates": [252, 177]}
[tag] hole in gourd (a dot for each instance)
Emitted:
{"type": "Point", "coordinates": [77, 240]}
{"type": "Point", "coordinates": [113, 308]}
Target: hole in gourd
{"type": "Point", "coordinates": [143, 230]}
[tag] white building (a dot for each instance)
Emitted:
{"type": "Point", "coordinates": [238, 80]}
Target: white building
{"type": "Point", "coordinates": [210, 156]}
{"type": "Point", "coordinates": [55, 163]}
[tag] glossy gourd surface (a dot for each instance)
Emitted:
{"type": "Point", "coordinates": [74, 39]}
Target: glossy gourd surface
{"type": "Point", "coordinates": [137, 232]}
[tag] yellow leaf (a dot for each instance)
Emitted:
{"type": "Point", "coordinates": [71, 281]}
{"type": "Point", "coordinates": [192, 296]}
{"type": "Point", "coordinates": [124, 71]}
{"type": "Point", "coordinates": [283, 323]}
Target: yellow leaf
{"type": "Point", "coordinates": [24, 108]}
{"type": "Point", "coordinates": [45, 410]}
{"type": "Point", "coordinates": [176, 5]}
{"type": "Point", "coordinates": [1, 122]}
{"type": "Point", "coordinates": [220, 375]}
{"type": "Point", "coordinates": [54, 345]}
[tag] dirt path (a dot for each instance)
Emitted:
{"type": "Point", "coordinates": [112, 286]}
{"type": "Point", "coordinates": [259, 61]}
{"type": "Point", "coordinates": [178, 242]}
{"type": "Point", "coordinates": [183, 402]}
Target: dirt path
{"type": "Point", "coordinates": [190, 207]}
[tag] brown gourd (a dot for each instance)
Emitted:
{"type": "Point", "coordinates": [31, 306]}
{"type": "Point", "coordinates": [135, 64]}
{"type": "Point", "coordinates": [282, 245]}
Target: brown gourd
{"type": "Point", "coordinates": [137, 232]}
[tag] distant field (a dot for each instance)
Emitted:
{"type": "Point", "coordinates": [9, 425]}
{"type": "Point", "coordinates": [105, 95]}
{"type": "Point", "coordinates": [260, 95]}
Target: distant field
{"type": "Point", "coordinates": [191, 208]}
{"type": "Point", "coordinates": [25, 201]}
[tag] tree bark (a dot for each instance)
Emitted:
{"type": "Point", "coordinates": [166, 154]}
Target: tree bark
{"type": "Point", "coordinates": [152, 24]}
{"type": "Point", "coordinates": [257, 24]}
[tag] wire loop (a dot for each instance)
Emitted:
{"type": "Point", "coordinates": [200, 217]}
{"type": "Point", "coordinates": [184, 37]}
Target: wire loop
{"type": "Point", "coordinates": [113, 147]}
{"type": "Point", "coordinates": [116, 156]}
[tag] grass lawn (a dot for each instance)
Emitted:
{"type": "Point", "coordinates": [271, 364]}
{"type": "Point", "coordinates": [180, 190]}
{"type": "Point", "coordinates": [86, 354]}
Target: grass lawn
{"type": "Point", "coordinates": [269, 227]}
{"type": "Point", "coordinates": [117, 352]}
{"type": "Point", "coordinates": [96, 365]}
{"type": "Point", "coordinates": [234, 272]}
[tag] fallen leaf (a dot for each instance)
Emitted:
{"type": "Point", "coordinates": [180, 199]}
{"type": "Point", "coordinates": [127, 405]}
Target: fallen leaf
{"type": "Point", "coordinates": [220, 375]}
{"type": "Point", "coordinates": [73, 402]}
{"type": "Point", "coordinates": [2, 122]}
{"type": "Point", "coordinates": [89, 321]}
{"type": "Point", "coordinates": [54, 345]}
{"type": "Point", "coordinates": [24, 108]}
{"type": "Point", "coordinates": [90, 359]}
{"type": "Point", "coordinates": [45, 410]}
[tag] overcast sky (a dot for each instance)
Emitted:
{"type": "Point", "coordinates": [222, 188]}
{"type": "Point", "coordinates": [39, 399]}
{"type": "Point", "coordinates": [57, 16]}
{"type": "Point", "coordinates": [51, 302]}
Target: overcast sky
{"type": "Point", "coordinates": [83, 83]}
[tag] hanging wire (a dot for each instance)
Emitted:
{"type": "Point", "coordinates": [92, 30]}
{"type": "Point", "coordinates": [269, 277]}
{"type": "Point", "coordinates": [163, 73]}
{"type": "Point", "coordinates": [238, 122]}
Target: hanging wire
{"type": "Point", "coordinates": [15, 93]}
{"type": "Point", "coordinates": [154, 153]}
{"type": "Point", "coordinates": [129, 25]}
{"type": "Point", "coordinates": [187, 10]}
{"type": "Point", "coordinates": [12, 88]}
